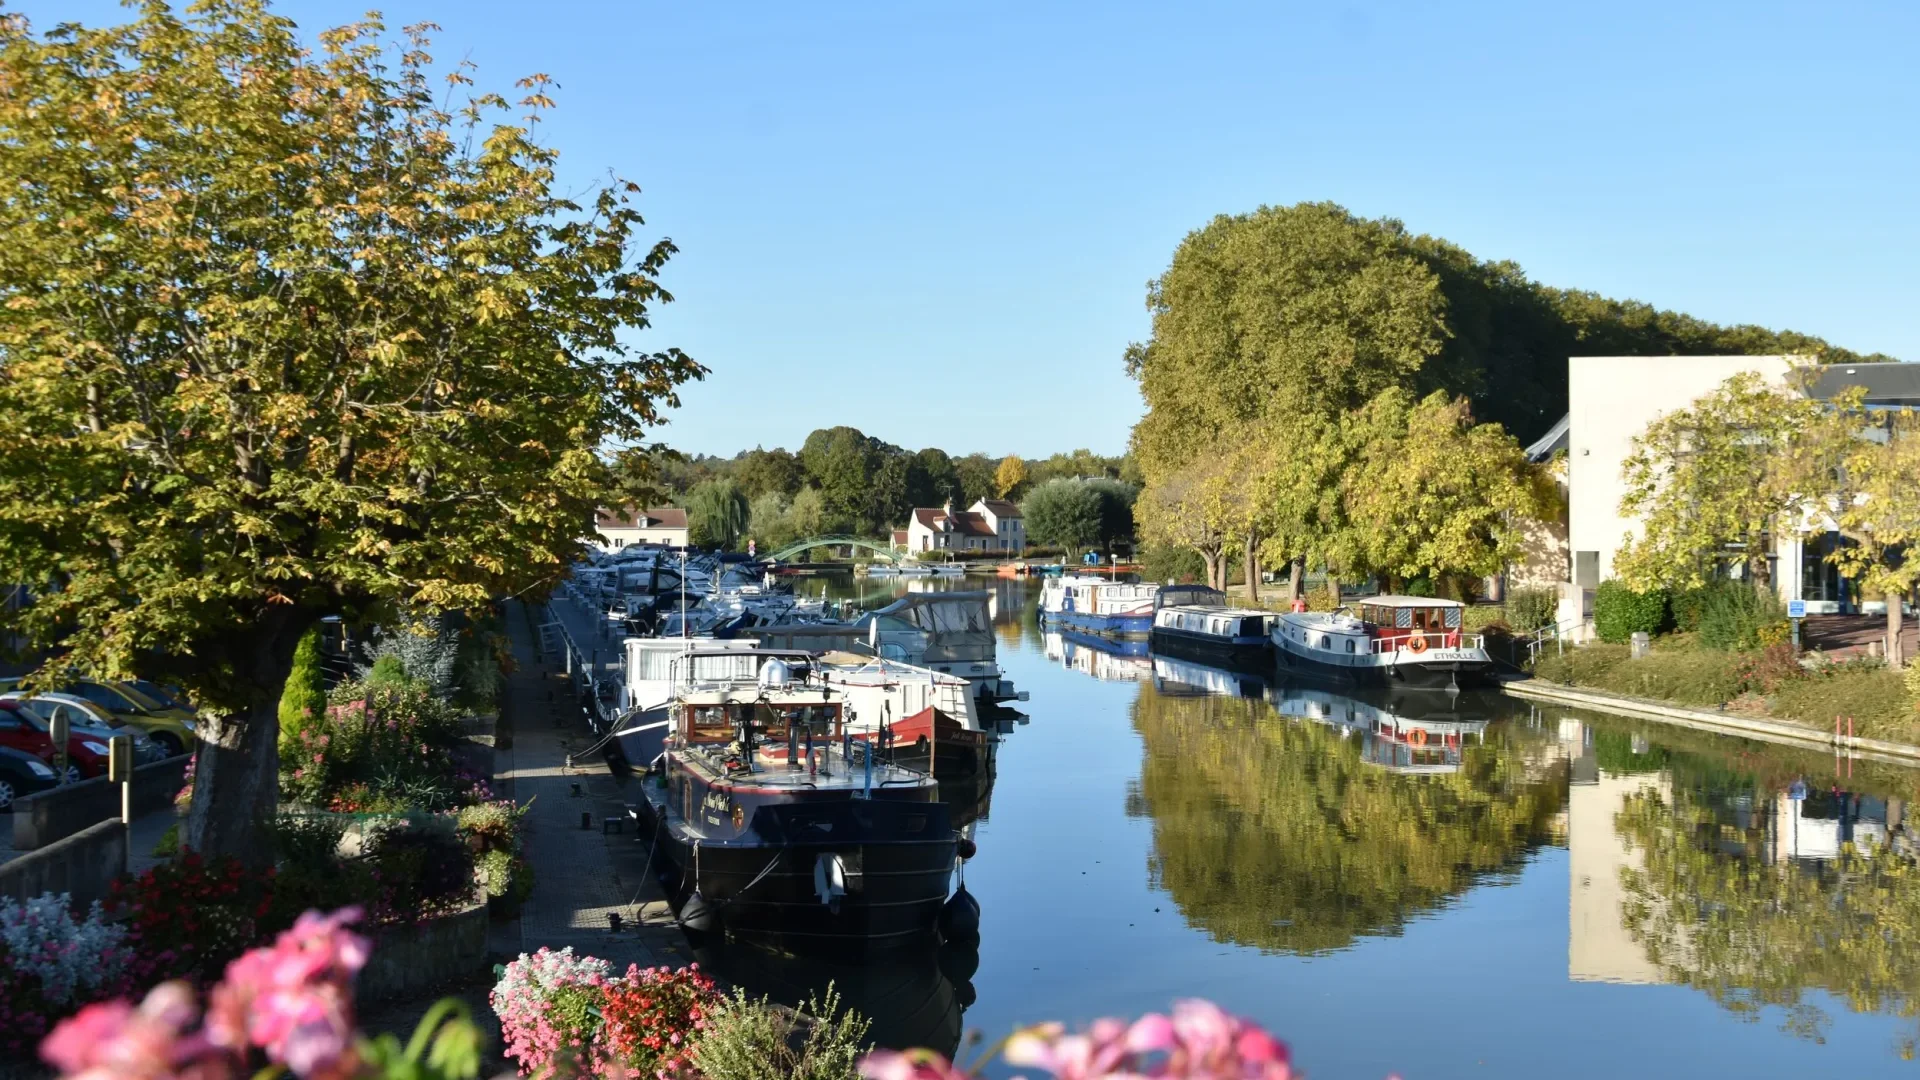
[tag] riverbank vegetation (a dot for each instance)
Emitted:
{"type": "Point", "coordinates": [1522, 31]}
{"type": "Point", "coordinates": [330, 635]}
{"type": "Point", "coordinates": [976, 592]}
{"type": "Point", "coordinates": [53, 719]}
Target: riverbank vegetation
{"type": "Point", "coordinates": [1336, 392]}
{"type": "Point", "coordinates": [843, 481]}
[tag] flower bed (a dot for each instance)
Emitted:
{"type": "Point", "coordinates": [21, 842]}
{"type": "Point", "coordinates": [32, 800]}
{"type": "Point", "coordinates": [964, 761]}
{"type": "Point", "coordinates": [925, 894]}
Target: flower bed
{"type": "Point", "coordinates": [290, 1008]}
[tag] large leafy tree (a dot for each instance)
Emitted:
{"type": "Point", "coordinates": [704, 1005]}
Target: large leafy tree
{"type": "Point", "coordinates": [761, 471]}
{"type": "Point", "coordinates": [933, 480]}
{"type": "Point", "coordinates": [1430, 492]}
{"type": "Point", "coordinates": [842, 463]}
{"type": "Point", "coordinates": [1706, 483]}
{"type": "Point", "coordinates": [284, 338]}
{"type": "Point", "coordinates": [1010, 477]}
{"type": "Point", "coordinates": [1063, 513]}
{"type": "Point", "coordinates": [718, 515]}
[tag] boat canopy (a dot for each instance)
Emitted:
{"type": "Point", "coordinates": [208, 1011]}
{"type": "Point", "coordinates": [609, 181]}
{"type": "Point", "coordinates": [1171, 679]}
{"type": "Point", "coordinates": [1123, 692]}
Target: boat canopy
{"type": "Point", "coordinates": [1189, 596]}
{"type": "Point", "coordinates": [957, 626]}
{"type": "Point", "coordinates": [1411, 612]}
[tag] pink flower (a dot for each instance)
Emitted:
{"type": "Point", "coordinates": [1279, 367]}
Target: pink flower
{"type": "Point", "coordinates": [115, 1041]}
{"type": "Point", "coordinates": [295, 1000]}
{"type": "Point", "coordinates": [1200, 1040]}
{"type": "Point", "coordinates": [911, 1065]}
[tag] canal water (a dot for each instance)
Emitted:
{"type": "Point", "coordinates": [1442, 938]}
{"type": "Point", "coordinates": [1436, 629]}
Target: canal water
{"type": "Point", "coordinates": [1515, 891]}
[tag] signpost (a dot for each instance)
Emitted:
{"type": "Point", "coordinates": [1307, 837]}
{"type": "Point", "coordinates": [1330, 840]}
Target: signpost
{"type": "Point", "coordinates": [1796, 610]}
{"type": "Point", "coordinates": [120, 771]}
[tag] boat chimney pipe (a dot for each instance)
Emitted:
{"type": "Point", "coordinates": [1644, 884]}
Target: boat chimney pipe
{"type": "Point", "coordinates": [793, 744]}
{"type": "Point", "coordinates": [868, 758]}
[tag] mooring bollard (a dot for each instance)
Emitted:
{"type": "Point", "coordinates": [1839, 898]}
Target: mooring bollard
{"type": "Point", "coordinates": [586, 820]}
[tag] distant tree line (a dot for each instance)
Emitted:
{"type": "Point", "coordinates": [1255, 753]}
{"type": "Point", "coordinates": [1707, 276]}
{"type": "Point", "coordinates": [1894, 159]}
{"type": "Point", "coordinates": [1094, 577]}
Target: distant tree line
{"type": "Point", "coordinates": [843, 481]}
{"type": "Point", "coordinates": [1332, 391]}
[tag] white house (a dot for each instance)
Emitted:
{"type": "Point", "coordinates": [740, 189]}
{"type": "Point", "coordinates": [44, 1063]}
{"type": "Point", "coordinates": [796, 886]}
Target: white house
{"type": "Point", "coordinates": [616, 529]}
{"type": "Point", "coordinates": [991, 525]}
{"type": "Point", "coordinates": [1612, 399]}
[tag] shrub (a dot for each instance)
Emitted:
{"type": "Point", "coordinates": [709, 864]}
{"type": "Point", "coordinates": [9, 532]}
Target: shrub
{"type": "Point", "coordinates": [387, 671]}
{"type": "Point", "coordinates": [1620, 612]}
{"type": "Point", "coordinates": [1583, 665]}
{"type": "Point", "coordinates": [190, 917]}
{"type": "Point", "coordinates": [1162, 563]}
{"type": "Point", "coordinates": [1529, 610]}
{"type": "Point", "coordinates": [70, 960]}
{"type": "Point", "coordinates": [749, 1039]}
{"type": "Point", "coordinates": [1913, 680]}
{"type": "Point", "coordinates": [384, 747]}
{"type": "Point", "coordinates": [653, 1016]}
{"type": "Point", "coordinates": [1874, 695]}
{"type": "Point", "coordinates": [1685, 606]}
{"type": "Point", "coordinates": [1766, 670]}
{"type": "Point", "coordinates": [1735, 615]}
{"type": "Point", "coordinates": [1687, 675]}
{"type": "Point", "coordinates": [532, 999]}
{"type": "Point", "coordinates": [419, 870]}
{"type": "Point", "coordinates": [305, 696]}
{"type": "Point", "coordinates": [426, 650]}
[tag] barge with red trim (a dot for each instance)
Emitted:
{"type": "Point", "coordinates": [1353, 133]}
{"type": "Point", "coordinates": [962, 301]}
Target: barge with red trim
{"type": "Point", "coordinates": [774, 824]}
{"type": "Point", "coordinates": [1414, 641]}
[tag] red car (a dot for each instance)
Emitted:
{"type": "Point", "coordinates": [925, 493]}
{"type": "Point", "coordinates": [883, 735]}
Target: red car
{"type": "Point", "coordinates": [21, 729]}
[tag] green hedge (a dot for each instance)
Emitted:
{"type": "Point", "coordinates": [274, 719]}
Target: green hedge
{"type": "Point", "coordinates": [1619, 612]}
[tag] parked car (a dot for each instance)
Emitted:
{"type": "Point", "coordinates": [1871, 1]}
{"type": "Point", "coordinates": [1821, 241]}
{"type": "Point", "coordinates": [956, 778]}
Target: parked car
{"type": "Point", "coordinates": [21, 775]}
{"type": "Point", "coordinates": [169, 696]}
{"type": "Point", "coordinates": [26, 723]}
{"type": "Point", "coordinates": [170, 726]}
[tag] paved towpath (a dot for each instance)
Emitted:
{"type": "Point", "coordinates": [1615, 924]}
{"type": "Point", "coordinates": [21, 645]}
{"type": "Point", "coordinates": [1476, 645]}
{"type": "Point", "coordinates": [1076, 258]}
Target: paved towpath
{"type": "Point", "coordinates": [581, 876]}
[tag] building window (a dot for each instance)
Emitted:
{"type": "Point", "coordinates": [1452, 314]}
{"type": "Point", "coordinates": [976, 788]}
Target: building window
{"type": "Point", "coordinates": [1820, 580]}
{"type": "Point", "coordinates": [1586, 569]}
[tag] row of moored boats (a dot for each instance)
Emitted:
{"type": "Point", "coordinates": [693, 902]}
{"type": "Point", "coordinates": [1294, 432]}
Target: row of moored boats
{"type": "Point", "coordinates": [809, 776]}
{"type": "Point", "coordinates": [1413, 641]}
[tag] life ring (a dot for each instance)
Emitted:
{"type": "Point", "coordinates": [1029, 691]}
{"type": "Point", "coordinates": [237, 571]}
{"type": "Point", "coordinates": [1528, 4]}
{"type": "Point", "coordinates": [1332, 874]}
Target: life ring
{"type": "Point", "coordinates": [1417, 643]}
{"type": "Point", "coordinates": [1417, 736]}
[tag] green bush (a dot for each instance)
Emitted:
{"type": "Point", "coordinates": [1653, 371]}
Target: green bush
{"type": "Point", "coordinates": [1685, 606]}
{"type": "Point", "coordinates": [1874, 695]}
{"type": "Point", "coordinates": [1684, 676]}
{"type": "Point", "coordinates": [1735, 615]}
{"type": "Point", "coordinates": [387, 671]}
{"type": "Point", "coordinates": [1529, 610]}
{"type": "Point", "coordinates": [751, 1039]}
{"type": "Point", "coordinates": [1619, 612]}
{"type": "Point", "coordinates": [1159, 564]}
{"type": "Point", "coordinates": [1584, 665]}
{"type": "Point", "coordinates": [305, 696]}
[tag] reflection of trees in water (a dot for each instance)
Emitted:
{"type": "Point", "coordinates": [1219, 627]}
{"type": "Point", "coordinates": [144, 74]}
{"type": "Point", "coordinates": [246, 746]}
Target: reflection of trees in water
{"type": "Point", "coordinates": [1273, 833]}
{"type": "Point", "coordinates": [1716, 914]}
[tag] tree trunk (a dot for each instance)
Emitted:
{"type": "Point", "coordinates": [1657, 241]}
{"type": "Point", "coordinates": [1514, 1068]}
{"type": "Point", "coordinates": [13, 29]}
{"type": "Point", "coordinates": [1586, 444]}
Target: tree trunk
{"type": "Point", "coordinates": [1893, 630]}
{"type": "Point", "coordinates": [1253, 567]}
{"type": "Point", "coordinates": [236, 771]}
{"type": "Point", "coordinates": [1297, 587]}
{"type": "Point", "coordinates": [1333, 586]}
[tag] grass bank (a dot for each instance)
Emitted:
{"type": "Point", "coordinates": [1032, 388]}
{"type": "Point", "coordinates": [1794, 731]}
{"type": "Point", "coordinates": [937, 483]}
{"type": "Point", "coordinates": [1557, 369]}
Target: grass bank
{"type": "Point", "coordinates": [1769, 683]}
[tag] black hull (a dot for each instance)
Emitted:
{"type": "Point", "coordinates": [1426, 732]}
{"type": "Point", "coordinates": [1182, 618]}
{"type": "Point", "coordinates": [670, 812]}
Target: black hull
{"type": "Point", "coordinates": [897, 859]}
{"type": "Point", "coordinates": [1251, 658]}
{"type": "Point", "coordinates": [1449, 675]}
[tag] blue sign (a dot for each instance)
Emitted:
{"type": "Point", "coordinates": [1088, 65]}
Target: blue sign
{"type": "Point", "coordinates": [1796, 609]}
{"type": "Point", "coordinates": [1798, 791]}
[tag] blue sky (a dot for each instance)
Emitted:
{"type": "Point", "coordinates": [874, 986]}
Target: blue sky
{"type": "Point", "coordinates": [935, 221]}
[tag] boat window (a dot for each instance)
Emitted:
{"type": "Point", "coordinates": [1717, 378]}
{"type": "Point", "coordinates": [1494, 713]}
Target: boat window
{"type": "Point", "coordinates": [708, 723]}
{"type": "Point", "coordinates": [1349, 644]}
{"type": "Point", "coordinates": [1453, 617]}
{"type": "Point", "coordinates": [1403, 617]}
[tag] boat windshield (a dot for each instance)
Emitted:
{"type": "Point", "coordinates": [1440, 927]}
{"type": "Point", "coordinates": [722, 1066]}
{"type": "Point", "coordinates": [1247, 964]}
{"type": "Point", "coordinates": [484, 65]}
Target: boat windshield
{"type": "Point", "coordinates": [1431, 620]}
{"type": "Point", "coordinates": [720, 723]}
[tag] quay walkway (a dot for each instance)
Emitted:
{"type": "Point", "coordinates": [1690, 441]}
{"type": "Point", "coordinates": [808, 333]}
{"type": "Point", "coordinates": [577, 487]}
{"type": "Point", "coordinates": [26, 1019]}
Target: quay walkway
{"type": "Point", "coordinates": [581, 876]}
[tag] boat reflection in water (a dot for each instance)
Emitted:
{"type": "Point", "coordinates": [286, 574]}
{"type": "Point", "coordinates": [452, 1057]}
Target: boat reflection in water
{"type": "Point", "coordinates": [1101, 658]}
{"type": "Point", "coordinates": [914, 997]}
{"type": "Point", "coordinates": [1286, 835]}
{"type": "Point", "coordinates": [1410, 733]}
{"type": "Point", "coordinates": [1179, 676]}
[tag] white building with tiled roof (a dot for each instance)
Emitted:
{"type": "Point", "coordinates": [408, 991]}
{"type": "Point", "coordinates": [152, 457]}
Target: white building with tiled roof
{"type": "Point", "coordinates": [616, 529]}
{"type": "Point", "coordinates": [991, 525]}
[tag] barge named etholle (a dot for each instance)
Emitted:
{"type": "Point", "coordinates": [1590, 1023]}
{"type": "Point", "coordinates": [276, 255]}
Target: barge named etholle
{"type": "Point", "coordinates": [774, 823]}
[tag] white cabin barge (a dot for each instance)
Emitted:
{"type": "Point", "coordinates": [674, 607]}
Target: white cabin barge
{"type": "Point", "coordinates": [1392, 641]}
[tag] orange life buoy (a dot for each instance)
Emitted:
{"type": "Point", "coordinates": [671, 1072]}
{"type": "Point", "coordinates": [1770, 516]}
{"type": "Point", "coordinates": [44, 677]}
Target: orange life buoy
{"type": "Point", "coordinates": [1417, 643]}
{"type": "Point", "coordinates": [1418, 736]}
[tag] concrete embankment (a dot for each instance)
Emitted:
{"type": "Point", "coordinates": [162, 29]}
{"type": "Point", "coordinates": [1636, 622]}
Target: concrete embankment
{"type": "Point", "coordinates": [1751, 727]}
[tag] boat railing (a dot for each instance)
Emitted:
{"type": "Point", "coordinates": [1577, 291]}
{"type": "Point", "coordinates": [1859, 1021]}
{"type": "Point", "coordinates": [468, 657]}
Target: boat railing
{"type": "Point", "coordinates": [1444, 639]}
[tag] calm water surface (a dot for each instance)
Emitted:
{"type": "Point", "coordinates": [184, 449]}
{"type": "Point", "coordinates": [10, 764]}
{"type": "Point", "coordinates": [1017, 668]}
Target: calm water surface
{"type": "Point", "coordinates": [1559, 894]}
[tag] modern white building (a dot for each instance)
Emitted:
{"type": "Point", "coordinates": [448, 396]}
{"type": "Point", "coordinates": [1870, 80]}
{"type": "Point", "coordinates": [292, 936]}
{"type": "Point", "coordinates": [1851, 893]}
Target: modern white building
{"type": "Point", "coordinates": [616, 529]}
{"type": "Point", "coordinates": [1611, 401]}
{"type": "Point", "coordinates": [990, 525]}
